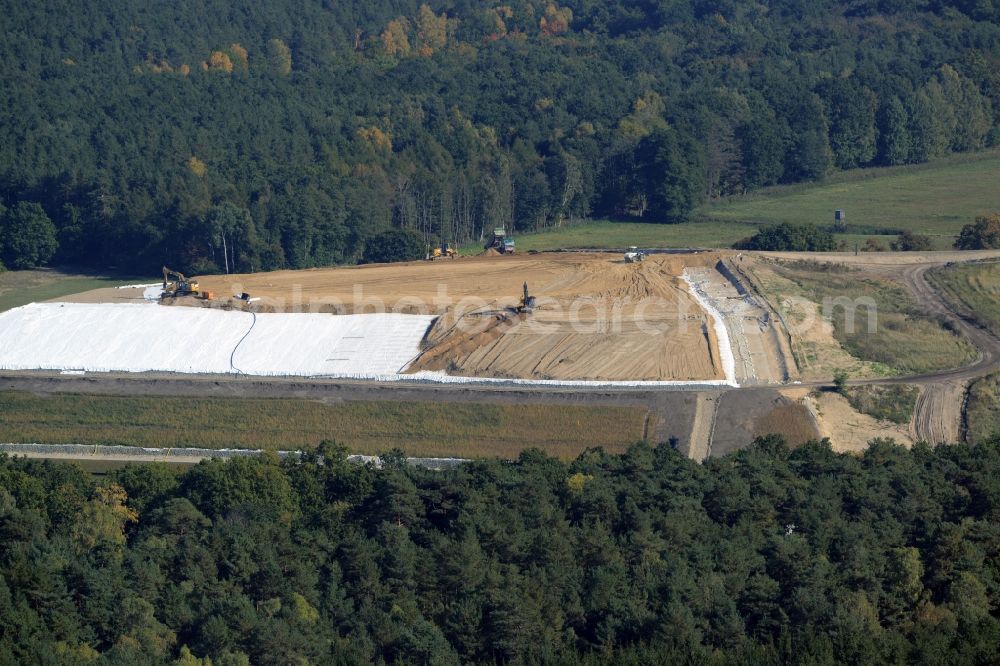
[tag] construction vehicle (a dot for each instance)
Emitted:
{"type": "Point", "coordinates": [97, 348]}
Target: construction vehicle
{"type": "Point", "coordinates": [527, 303]}
{"type": "Point", "coordinates": [181, 286]}
{"type": "Point", "coordinates": [634, 255]}
{"type": "Point", "coordinates": [500, 242]}
{"type": "Point", "coordinates": [444, 250]}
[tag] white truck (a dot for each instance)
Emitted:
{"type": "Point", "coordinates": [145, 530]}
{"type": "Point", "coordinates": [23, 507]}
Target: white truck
{"type": "Point", "coordinates": [634, 255]}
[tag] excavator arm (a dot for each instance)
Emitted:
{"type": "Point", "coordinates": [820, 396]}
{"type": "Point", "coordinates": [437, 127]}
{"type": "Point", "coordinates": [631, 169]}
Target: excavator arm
{"type": "Point", "coordinates": [168, 273]}
{"type": "Point", "coordinates": [181, 286]}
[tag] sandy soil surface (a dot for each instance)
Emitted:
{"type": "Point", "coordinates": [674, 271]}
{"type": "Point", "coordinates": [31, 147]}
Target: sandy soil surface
{"type": "Point", "coordinates": [850, 430]}
{"type": "Point", "coordinates": [427, 287]}
{"type": "Point", "coordinates": [597, 318]}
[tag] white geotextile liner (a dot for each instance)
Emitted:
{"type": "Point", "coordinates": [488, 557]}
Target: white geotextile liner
{"type": "Point", "coordinates": [726, 356]}
{"type": "Point", "coordinates": [153, 338]}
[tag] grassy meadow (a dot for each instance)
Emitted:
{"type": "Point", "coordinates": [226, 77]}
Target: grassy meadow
{"type": "Point", "coordinates": [974, 287]}
{"type": "Point", "coordinates": [935, 199]}
{"type": "Point", "coordinates": [420, 429]}
{"type": "Point", "coordinates": [892, 402]}
{"type": "Point", "coordinates": [901, 339]}
{"type": "Point", "coordinates": [19, 288]}
{"type": "Point", "coordinates": [607, 234]}
{"type": "Point", "coordinates": [983, 409]}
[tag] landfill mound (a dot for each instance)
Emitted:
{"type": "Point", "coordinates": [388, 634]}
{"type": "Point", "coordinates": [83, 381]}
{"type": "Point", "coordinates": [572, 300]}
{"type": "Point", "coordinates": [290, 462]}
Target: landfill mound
{"type": "Point", "coordinates": [601, 321]}
{"type": "Point", "coordinates": [597, 317]}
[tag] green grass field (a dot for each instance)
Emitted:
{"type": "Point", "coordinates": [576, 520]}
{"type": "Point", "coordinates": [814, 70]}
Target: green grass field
{"type": "Point", "coordinates": [19, 288]}
{"type": "Point", "coordinates": [983, 409]}
{"type": "Point", "coordinates": [975, 287]}
{"type": "Point", "coordinates": [420, 429]}
{"type": "Point", "coordinates": [606, 234]}
{"type": "Point", "coordinates": [935, 199]}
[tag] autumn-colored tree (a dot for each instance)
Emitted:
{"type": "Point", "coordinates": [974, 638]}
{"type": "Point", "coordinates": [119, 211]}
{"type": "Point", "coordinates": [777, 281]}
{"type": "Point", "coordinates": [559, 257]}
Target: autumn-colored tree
{"type": "Point", "coordinates": [873, 245]}
{"type": "Point", "coordinates": [647, 116]}
{"type": "Point", "coordinates": [102, 520]}
{"type": "Point", "coordinates": [395, 37]}
{"type": "Point", "coordinates": [219, 61]}
{"type": "Point", "coordinates": [279, 57]}
{"type": "Point", "coordinates": [432, 31]}
{"type": "Point", "coordinates": [196, 166]}
{"type": "Point", "coordinates": [241, 55]}
{"type": "Point", "coordinates": [984, 234]}
{"type": "Point", "coordinates": [556, 20]}
{"type": "Point", "coordinates": [376, 137]}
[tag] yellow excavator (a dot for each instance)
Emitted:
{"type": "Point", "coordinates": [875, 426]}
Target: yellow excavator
{"type": "Point", "coordinates": [181, 286]}
{"type": "Point", "coordinates": [444, 250]}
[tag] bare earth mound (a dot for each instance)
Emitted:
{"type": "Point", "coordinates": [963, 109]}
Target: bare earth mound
{"type": "Point", "coordinates": [601, 320]}
{"type": "Point", "coordinates": [597, 318]}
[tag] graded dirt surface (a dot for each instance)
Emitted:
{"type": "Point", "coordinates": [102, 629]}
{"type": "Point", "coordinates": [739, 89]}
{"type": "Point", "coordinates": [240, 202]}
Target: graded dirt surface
{"type": "Point", "coordinates": [425, 287]}
{"type": "Point", "coordinates": [745, 414]}
{"type": "Point", "coordinates": [597, 319]}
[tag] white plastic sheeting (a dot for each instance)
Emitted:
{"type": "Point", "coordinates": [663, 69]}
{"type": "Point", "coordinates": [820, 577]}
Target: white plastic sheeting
{"type": "Point", "coordinates": [152, 338]}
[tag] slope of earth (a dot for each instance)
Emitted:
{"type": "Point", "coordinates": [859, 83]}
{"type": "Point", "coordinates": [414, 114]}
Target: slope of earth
{"type": "Point", "coordinates": [597, 318]}
{"type": "Point", "coordinates": [849, 429]}
{"type": "Point", "coordinates": [601, 319]}
{"type": "Point", "coordinates": [757, 412]}
{"type": "Point", "coordinates": [420, 287]}
{"type": "Point", "coordinates": [368, 427]}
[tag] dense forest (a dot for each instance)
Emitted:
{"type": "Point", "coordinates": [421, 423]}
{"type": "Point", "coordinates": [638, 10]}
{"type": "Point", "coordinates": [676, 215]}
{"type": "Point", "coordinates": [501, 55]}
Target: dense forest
{"type": "Point", "coordinates": [764, 556]}
{"type": "Point", "coordinates": [246, 136]}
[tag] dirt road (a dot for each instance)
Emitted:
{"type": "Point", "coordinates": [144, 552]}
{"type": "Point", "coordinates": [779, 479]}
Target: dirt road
{"type": "Point", "coordinates": [938, 413]}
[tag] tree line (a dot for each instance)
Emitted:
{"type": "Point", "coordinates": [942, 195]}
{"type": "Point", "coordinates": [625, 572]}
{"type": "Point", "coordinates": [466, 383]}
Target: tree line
{"type": "Point", "coordinates": [767, 555]}
{"type": "Point", "coordinates": [219, 136]}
